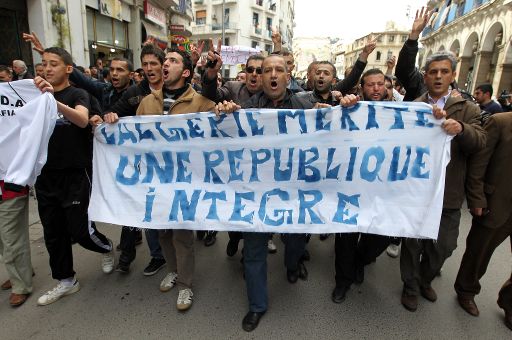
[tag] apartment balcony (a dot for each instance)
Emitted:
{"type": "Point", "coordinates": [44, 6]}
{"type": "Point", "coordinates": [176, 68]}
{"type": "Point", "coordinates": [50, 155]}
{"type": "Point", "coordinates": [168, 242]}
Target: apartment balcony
{"type": "Point", "coordinates": [219, 2]}
{"type": "Point", "coordinates": [229, 27]}
{"type": "Point", "coordinates": [257, 4]}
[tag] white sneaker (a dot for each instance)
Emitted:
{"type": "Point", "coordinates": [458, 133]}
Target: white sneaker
{"type": "Point", "coordinates": [56, 293]}
{"type": "Point", "coordinates": [393, 250]}
{"type": "Point", "coordinates": [168, 282]}
{"type": "Point", "coordinates": [184, 299]}
{"type": "Point", "coordinates": [271, 247]}
{"type": "Point", "coordinates": [108, 261]}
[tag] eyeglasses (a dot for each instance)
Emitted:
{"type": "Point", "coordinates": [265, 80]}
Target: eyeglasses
{"type": "Point", "coordinates": [251, 69]}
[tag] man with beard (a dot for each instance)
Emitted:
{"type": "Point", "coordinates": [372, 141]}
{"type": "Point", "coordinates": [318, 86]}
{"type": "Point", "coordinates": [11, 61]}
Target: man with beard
{"type": "Point", "coordinates": [178, 97]}
{"type": "Point", "coordinates": [323, 79]}
{"type": "Point", "coordinates": [353, 251]}
{"type": "Point", "coordinates": [422, 259]}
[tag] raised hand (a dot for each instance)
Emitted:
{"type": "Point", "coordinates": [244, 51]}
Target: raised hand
{"type": "Point", "coordinates": [214, 60]}
{"type": "Point", "coordinates": [195, 52]}
{"type": "Point", "coordinates": [32, 38]}
{"type": "Point", "coordinates": [420, 22]}
{"type": "Point", "coordinates": [277, 39]}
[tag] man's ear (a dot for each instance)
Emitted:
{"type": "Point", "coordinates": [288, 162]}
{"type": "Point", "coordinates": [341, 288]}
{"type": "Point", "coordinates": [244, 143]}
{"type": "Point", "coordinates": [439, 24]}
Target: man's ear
{"type": "Point", "coordinates": [130, 75]}
{"type": "Point", "coordinates": [69, 69]}
{"type": "Point", "coordinates": [185, 74]}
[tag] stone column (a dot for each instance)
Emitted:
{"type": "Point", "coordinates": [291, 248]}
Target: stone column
{"type": "Point", "coordinates": [462, 71]}
{"type": "Point", "coordinates": [505, 80]}
{"type": "Point", "coordinates": [499, 69]}
{"type": "Point", "coordinates": [481, 70]}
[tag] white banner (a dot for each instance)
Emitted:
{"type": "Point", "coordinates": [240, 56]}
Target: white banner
{"type": "Point", "coordinates": [234, 55]}
{"type": "Point", "coordinates": [377, 167]}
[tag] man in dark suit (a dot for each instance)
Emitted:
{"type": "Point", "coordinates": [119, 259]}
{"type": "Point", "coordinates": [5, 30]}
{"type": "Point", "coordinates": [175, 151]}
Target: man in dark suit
{"type": "Point", "coordinates": [421, 260]}
{"type": "Point", "coordinates": [489, 199]}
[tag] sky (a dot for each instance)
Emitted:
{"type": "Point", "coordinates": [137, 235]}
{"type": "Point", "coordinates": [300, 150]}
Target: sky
{"type": "Point", "coordinates": [350, 20]}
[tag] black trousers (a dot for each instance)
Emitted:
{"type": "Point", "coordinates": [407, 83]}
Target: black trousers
{"type": "Point", "coordinates": [480, 245]}
{"type": "Point", "coordinates": [355, 249]}
{"type": "Point", "coordinates": [63, 200]}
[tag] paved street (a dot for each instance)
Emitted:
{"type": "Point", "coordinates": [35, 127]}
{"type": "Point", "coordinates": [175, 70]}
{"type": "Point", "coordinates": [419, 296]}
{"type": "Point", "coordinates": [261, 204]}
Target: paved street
{"type": "Point", "coordinates": [131, 306]}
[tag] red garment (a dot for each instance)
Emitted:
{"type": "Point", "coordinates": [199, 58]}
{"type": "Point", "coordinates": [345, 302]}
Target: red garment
{"type": "Point", "coordinates": [7, 195]}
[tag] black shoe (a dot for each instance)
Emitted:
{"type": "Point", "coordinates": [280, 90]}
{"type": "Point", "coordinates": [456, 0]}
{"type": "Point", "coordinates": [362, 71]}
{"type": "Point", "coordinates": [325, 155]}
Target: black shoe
{"type": "Point", "coordinates": [324, 237]}
{"type": "Point", "coordinates": [210, 238]}
{"type": "Point", "coordinates": [303, 272]}
{"type": "Point", "coordinates": [292, 275]}
{"type": "Point", "coordinates": [251, 321]}
{"type": "Point", "coordinates": [154, 266]}
{"type": "Point", "coordinates": [123, 267]}
{"type": "Point", "coordinates": [359, 274]}
{"type": "Point", "coordinates": [305, 256]}
{"type": "Point", "coordinates": [200, 234]}
{"type": "Point", "coordinates": [232, 248]}
{"type": "Point", "coordinates": [339, 294]}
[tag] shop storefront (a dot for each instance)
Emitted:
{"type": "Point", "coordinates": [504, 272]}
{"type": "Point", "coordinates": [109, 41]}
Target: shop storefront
{"type": "Point", "coordinates": [107, 31]}
{"type": "Point", "coordinates": [153, 25]}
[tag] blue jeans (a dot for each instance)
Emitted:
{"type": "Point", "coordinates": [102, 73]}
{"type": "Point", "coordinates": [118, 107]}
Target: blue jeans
{"type": "Point", "coordinates": [153, 243]}
{"type": "Point", "coordinates": [255, 267]}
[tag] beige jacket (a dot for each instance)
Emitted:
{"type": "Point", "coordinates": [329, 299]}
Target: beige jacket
{"type": "Point", "coordinates": [188, 102]}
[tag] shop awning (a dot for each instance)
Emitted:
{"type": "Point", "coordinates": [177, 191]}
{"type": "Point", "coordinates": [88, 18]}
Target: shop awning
{"type": "Point", "coordinates": [156, 33]}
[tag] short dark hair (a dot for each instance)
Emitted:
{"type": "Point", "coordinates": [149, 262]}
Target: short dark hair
{"type": "Point", "coordinates": [187, 61]}
{"type": "Point", "coordinates": [128, 62]}
{"type": "Point", "coordinates": [149, 49]}
{"type": "Point", "coordinates": [285, 52]}
{"type": "Point", "coordinates": [279, 56]}
{"type": "Point", "coordinates": [370, 72]}
{"type": "Point", "coordinates": [485, 88]}
{"type": "Point", "coordinates": [254, 57]}
{"type": "Point", "coordinates": [38, 64]}
{"type": "Point", "coordinates": [80, 68]}
{"type": "Point", "coordinates": [4, 68]}
{"type": "Point", "coordinates": [62, 53]}
{"type": "Point", "coordinates": [440, 56]}
{"type": "Point", "coordinates": [139, 70]}
{"type": "Point", "coordinates": [310, 66]}
{"type": "Point", "coordinates": [324, 62]}
{"type": "Point", "coordinates": [388, 78]}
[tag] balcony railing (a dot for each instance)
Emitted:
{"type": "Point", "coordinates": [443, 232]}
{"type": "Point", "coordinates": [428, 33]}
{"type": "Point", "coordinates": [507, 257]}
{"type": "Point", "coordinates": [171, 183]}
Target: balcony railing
{"type": "Point", "coordinates": [227, 26]}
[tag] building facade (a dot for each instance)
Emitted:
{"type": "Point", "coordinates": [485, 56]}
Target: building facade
{"type": "Point", "coordinates": [389, 43]}
{"type": "Point", "coordinates": [309, 49]}
{"type": "Point", "coordinates": [246, 23]}
{"type": "Point", "coordinates": [88, 29]}
{"type": "Point", "coordinates": [479, 33]}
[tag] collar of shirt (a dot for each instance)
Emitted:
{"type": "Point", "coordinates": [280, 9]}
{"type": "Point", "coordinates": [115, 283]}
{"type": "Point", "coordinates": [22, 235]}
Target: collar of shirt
{"type": "Point", "coordinates": [441, 101]}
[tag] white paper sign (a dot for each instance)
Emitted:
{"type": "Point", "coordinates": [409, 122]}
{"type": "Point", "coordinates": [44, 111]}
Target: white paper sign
{"type": "Point", "coordinates": [374, 168]}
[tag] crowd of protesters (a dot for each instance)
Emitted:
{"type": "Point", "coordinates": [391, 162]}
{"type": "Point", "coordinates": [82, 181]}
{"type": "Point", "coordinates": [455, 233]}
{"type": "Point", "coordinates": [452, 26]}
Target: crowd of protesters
{"type": "Point", "coordinates": [177, 82]}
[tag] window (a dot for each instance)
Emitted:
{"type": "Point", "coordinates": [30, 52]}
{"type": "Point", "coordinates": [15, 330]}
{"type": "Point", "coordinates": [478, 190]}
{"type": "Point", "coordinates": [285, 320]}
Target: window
{"type": "Point", "coordinates": [120, 34]}
{"type": "Point", "coordinates": [390, 54]}
{"type": "Point", "coordinates": [254, 44]}
{"type": "Point", "coordinates": [268, 48]}
{"type": "Point", "coordinates": [226, 16]}
{"type": "Point", "coordinates": [201, 17]}
{"type": "Point", "coordinates": [104, 30]}
{"type": "Point", "coordinates": [255, 19]}
{"type": "Point", "coordinates": [259, 2]}
{"type": "Point", "coordinates": [90, 24]}
{"type": "Point", "coordinates": [269, 24]}
{"type": "Point", "coordinates": [404, 38]}
{"type": "Point", "coordinates": [379, 38]}
{"type": "Point", "coordinates": [226, 41]}
{"type": "Point", "coordinates": [377, 57]}
{"type": "Point", "coordinates": [391, 38]}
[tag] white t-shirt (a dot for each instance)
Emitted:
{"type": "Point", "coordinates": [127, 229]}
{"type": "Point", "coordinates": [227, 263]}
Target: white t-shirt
{"type": "Point", "coordinates": [27, 119]}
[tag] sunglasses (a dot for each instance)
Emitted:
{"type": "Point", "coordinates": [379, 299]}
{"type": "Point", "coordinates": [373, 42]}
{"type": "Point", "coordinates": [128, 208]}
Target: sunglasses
{"type": "Point", "coordinates": [251, 69]}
